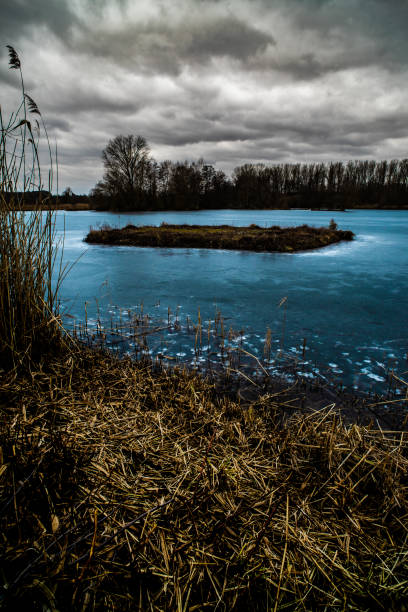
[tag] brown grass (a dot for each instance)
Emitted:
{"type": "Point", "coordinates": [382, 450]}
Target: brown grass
{"type": "Point", "coordinates": [126, 488]}
{"type": "Point", "coordinates": [252, 238]}
{"type": "Point", "coordinates": [29, 273]}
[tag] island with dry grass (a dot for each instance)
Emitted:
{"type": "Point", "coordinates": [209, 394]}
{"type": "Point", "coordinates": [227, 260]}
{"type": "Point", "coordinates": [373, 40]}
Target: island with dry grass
{"type": "Point", "coordinates": [251, 238]}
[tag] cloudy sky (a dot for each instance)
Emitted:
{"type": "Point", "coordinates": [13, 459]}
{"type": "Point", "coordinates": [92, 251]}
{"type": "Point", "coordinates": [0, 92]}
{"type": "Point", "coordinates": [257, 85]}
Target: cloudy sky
{"type": "Point", "coordinates": [233, 81]}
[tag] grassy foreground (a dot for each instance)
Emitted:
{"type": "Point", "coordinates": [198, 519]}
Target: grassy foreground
{"type": "Point", "coordinates": [126, 488]}
{"type": "Point", "coordinates": [252, 238]}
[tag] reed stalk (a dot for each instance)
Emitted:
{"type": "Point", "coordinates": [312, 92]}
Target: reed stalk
{"type": "Point", "coordinates": [29, 319]}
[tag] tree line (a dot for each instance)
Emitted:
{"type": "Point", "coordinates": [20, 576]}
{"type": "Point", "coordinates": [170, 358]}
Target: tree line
{"type": "Point", "coordinates": [134, 180]}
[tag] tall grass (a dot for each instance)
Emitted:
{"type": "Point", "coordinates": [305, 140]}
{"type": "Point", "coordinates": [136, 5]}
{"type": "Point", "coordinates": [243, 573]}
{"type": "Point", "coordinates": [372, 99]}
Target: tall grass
{"type": "Point", "coordinates": [29, 323]}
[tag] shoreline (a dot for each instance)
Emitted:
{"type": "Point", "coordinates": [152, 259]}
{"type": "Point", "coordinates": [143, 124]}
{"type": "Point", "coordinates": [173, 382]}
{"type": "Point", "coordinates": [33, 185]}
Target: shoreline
{"type": "Point", "coordinates": [244, 376]}
{"type": "Point", "coordinates": [82, 206]}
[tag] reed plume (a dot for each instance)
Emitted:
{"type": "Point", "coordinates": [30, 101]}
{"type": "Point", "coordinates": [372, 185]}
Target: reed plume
{"type": "Point", "coordinates": [29, 322]}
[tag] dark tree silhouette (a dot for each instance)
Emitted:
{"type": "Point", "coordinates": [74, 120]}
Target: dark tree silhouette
{"type": "Point", "coordinates": [127, 171]}
{"type": "Point", "coordinates": [135, 181]}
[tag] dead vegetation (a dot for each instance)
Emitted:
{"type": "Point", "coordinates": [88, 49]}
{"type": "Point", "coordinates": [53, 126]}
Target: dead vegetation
{"type": "Point", "coordinates": [252, 238]}
{"type": "Point", "coordinates": [126, 488]}
{"type": "Point", "coordinates": [30, 269]}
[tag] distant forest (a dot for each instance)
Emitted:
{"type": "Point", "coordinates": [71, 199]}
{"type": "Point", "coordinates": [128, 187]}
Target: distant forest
{"type": "Point", "coordinates": [133, 180]}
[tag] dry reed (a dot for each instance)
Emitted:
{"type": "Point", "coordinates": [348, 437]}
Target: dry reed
{"type": "Point", "coordinates": [252, 238]}
{"type": "Point", "coordinates": [125, 487]}
{"type": "Point", "coordinates": [29, 323]}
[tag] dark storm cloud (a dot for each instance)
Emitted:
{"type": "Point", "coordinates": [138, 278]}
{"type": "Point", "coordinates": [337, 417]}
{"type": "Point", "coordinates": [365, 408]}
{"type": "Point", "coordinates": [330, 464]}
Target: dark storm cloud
{"type": "Point", "coordinates": [96, 103]}
{"type": "Point", "coordinates": [160, 47]}
{"type": "Point", "coordinates": [386, 21]}
{"type": "Point", "coordinates": [56, 123]}
{"type": "Point", "coordinates": [290, 133]}
{"type": "Point", "coordinates": [20, 16]}
{"type": "Point", "coordinates": [382, 23]}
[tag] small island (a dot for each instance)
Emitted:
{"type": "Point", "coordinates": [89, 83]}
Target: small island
{"type": "Point", "coordinates": [251, 238]}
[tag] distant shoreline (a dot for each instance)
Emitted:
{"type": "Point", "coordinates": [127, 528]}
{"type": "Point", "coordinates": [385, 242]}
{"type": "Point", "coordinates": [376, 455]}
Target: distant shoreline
{"type": "Point", "coordinates": [79, 207]}
{"type": "Point", "coordinates": [82, 206]}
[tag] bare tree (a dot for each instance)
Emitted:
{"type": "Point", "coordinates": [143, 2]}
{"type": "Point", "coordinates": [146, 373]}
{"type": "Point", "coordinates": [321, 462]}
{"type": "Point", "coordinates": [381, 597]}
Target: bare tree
{"type": "Point", "coordinates": [126, 160]}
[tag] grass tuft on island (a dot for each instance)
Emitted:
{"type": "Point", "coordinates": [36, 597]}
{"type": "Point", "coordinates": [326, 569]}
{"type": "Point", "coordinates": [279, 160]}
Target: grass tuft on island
{"type": "Point", "coordinates": [251, 238]}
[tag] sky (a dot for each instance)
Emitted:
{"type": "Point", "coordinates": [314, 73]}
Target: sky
{"type": "Point", "coordinates": [231, 81]}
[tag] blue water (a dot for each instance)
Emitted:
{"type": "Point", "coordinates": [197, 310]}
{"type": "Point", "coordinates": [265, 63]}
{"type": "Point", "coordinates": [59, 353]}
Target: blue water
{"type": "Point", "coordinates": [348, 302]}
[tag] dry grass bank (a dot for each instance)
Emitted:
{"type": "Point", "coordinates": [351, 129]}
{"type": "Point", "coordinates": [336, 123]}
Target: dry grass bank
{"type": "Point", "coordinates": [252, 238]}
{"type": "Point", "coordinates": [123, 488]}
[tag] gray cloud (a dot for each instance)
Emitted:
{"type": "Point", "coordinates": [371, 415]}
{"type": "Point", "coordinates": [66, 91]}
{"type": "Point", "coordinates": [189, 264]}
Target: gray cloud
{"type": "Point", "coordinates": [168, 48]}
{"type": "Point", "coordinates": [94, 101]}
{"type": "Point", "coordinates": [58, 124]}
{"type": "Point", "coordinates": [7, 78]}
{"type": "Point", "coordinates": [234, 82]}
{"type": "Point", "coordinates": [381, 24]}
{"type": "Point", "coordinates": [18, 19]}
